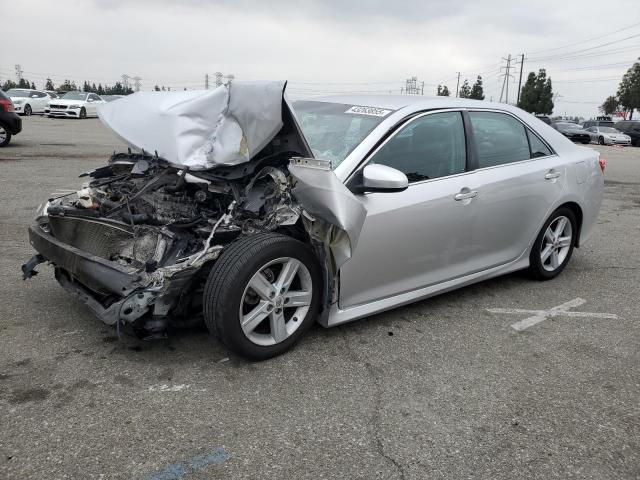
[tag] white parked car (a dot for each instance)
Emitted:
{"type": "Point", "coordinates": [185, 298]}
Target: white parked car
{"type": "Point", "coordinates": [608, 136]}
{"type": "Point", "coordinates": [27, 101]}
{"type": "Point", "coordinates": [74, 105]}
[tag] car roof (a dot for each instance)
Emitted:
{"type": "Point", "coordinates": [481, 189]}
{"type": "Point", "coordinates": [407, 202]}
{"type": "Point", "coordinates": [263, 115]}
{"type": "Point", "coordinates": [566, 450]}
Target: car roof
{"type": "Point", "coordinates": [414, 102]}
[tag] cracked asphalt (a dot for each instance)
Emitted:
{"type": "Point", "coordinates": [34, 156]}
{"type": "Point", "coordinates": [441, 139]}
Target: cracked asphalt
{"type": "Point", "coordinates": [437, 389]}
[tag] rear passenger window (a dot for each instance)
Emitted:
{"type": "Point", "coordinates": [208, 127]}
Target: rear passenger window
{"type": "Point", "coordinates": [429, 147]}
{"type": "Point", "coordinates": [500, 139]}
{"type": "Point", "coordinates": [538, 149]}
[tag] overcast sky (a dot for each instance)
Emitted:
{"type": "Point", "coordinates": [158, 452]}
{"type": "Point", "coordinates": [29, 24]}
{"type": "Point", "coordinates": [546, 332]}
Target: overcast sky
{"type": "Point", "coordinates": [325, 46]}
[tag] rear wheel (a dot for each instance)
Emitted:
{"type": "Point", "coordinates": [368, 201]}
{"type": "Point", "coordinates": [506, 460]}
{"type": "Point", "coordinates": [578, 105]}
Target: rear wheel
{"type": "Point", "coordinates": [83, 113]}
{"type": "Point", "coordinates": [27, 110]}
{"type": "Point", "coordinates": [601, 140]}
{"type": "Point", "coordinates": [262, 294]}
{"type": "Point", "coordinates": [553, 248]}
{"type": "Point", "coordinates": [5, 136]}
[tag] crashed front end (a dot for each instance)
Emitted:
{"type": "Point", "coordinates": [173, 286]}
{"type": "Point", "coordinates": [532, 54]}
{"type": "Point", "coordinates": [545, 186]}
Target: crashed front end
{"type": "Point", "coordinates": [137, 242]}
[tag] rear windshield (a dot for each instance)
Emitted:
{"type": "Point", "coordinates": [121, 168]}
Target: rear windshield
{"type": "Point", "coordinates": [18, 93]}
{"type": "Point", "coordinates": [333, 130]}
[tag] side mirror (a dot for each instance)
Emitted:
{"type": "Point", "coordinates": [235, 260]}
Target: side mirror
{"type": "Point", "coordinates": [381, 178]}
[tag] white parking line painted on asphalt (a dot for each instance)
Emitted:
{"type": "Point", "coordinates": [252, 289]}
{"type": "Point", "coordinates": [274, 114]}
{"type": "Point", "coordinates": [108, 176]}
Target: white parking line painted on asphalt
{"type": "Point", "coordinates": [537, 316]}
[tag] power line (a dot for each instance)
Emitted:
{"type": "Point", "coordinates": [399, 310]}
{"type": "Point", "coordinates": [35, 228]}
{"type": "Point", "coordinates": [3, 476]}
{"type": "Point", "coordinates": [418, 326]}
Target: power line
{"type": "Point", "coordinates": [547, 57]}
{"type": "Point", "coordinates": [584, 41]}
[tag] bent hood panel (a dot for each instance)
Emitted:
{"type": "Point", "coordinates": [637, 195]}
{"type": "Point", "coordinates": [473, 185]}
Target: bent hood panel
{"type": "Point", "coordinates": [200, 129]}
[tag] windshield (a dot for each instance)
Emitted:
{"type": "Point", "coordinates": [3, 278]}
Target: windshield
{"type": "Point", "coordinates": [75, 96]}
{"type": "Point", "coordinates": [607, 130]}
{"type": "Point", "coordinates": [18, 93]}
{"type": "Point", "coordinates": [333, 130]}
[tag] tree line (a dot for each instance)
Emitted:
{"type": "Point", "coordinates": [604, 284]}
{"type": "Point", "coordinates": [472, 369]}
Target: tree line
{"type": "Point", "coordinates": [475, 92]}
{"type": "Point", "coordinates": [70, 85]}
{"type": "Point", "coordinates": [627, 97]}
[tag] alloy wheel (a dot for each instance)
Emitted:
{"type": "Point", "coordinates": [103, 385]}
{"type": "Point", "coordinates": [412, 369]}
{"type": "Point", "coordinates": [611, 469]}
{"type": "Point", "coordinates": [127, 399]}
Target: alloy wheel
{"type": "Point", "coordinates": [556, 243]}
{"type": "Point", "coordinates": [3, 135]}
{"type": "Point", "coordinates": [275, 301]}
{"type": "Point", "coordinates": [27, 110]}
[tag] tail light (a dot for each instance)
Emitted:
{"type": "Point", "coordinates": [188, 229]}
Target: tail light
{"type": "Point", "coordinates": [6, 105]}
{"type": "Point", "coordinates": [603, 163]}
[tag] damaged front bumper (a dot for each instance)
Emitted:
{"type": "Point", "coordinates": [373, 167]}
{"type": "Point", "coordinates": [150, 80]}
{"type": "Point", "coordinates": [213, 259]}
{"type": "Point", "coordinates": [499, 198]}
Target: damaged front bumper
{"type": "Point", "coordinates": [113, 292]}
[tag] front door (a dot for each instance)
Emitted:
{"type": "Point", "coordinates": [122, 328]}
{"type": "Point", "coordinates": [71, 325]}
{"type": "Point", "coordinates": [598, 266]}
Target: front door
{"type": "Point", "coordinates": [420, 236]}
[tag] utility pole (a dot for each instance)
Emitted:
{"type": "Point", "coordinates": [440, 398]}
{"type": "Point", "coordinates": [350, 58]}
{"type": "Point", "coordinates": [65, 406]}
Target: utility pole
{"type": "Point", "coordinates": [520, 80]}
{"type": "Point", "coordinates": [505, 82]}
{"type": "Point", "coordinates": [136, 81]}
{"type": "Point", "coordinates": [458, 85]}
{"type": "Point", "coordinates": [18, 72]}
{"type": "Point", "coordinates": [206, 81]}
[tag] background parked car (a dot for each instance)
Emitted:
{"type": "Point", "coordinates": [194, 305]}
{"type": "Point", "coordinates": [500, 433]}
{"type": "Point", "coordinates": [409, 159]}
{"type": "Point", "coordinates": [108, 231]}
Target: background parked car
{"type": "Point", "coordinates": [632, 129]}
{"type": "Point", "coordinates": [74, 105]}
{"type": "Point", "coordinates": [27, 101]}
{"type": "Point", "coordinates": [544, 118]}
{"type": "Point", "coordinates": [572, 131]}
{"type": "Point", "coordinates": [598, 122]}
{"type": "Point", "coordinates": [10, 122]}
{"type": "Point", "coordinates": [52, 94]}
{"type": "Point", "coordinates": [608, 136]}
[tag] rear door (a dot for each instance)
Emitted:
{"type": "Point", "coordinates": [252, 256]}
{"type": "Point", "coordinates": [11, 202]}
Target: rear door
{"type": "Point", "coordinates": [417, 237]}
{"type": "Point", "coordinates": [518, 180]}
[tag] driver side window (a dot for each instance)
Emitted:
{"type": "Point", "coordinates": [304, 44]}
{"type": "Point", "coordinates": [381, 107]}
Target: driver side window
{"type": "Point", "coordinates": [431, 146]}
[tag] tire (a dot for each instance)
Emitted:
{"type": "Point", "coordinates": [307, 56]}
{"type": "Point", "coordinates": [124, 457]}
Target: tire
{"type": "Point", "coordinates": [5, 136]}
{"type": "Point", "coordinates": [601, 140]}
{"type": "Point", "coordinates": [542, 265]}
{"type": "Point", "coordinates": [27, 110]}
{"type": "Point", "coordinates": [83, 113]}
{"type": "Point", "coordinates": [229, 295]}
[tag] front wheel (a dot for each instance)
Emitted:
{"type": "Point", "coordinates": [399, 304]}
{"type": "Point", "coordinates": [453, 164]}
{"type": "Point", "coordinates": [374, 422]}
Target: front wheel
{"type": "Point", "coordinates": [553, 248]}
{"type": "Point", "coordinates": [262, 294]}
{"type": "Point", "coordinates": [27, 110]}
{"type": "Point", "coordinates": [83, 113]}
{"type": "Point", "coordinates": [601, 140]}
{"type": "Point", "coordinates": [5, 136]}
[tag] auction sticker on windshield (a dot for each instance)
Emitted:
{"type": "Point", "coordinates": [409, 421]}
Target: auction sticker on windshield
{"type": "Point", "coordinates": [373, 111]}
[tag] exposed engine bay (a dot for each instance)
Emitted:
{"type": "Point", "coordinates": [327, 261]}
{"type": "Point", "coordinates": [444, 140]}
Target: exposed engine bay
{"type": "Point", "coordinates": [137, 241]}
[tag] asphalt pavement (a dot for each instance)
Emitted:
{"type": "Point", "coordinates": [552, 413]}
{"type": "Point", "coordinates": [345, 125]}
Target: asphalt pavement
{"type": "Point", "coordinates": [443, 388]}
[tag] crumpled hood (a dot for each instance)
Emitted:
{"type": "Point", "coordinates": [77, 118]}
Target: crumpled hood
{"type": "Point", "coordinates": [200, 129]}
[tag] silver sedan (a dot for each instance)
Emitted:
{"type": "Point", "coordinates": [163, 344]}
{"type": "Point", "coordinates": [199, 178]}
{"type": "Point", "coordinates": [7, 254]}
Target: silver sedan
{"type": "Point", "coordinates": [352, 205]}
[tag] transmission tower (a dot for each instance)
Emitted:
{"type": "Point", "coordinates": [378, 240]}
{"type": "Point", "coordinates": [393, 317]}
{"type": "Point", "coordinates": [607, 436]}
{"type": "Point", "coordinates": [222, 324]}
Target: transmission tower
{"type": "Point", "coordinates": [136, 83]}
{"type": "Point", "coordinates": [18, 72]}
{"type": "Point", "coordinates": [218, 76]}
{"type": "Point", "coordinates": [413, 87]}
{"type": "Point", "coordinates": [505, 83]}
{"type": "Point", "coordinates": [206, 81]}
{"type": "Point", "coordinates": [125, 81]}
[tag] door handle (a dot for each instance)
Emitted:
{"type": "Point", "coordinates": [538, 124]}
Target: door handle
{"type": "Point", "coordinates": [465, 196]}
{"type": "Point", "coordinates": [552, 175]}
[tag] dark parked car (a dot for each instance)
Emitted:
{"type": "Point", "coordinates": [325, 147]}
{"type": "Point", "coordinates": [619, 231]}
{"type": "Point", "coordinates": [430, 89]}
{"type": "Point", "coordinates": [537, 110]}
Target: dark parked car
{"type": "Point", "coordinates": [10, 122]}
{"type": "Point", "coordinates": [631, 128]}
{"type": "Point", "coordinates": [572, 131]}
{"type": "Point", "coordinates": [544, 118]}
